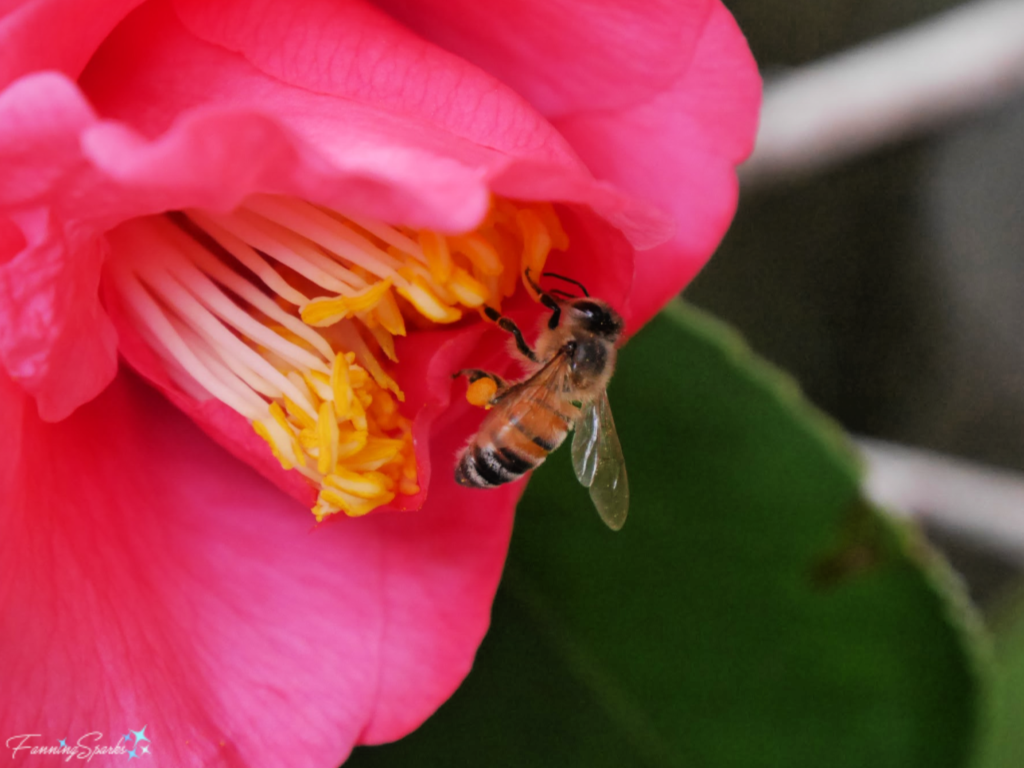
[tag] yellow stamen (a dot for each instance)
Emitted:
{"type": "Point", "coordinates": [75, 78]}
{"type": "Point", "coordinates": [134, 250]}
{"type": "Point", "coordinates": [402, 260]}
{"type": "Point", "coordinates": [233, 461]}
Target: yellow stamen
{"type": "Point", "coordinates": [287, 313]}
{"type": "Point", "coordinates": [376, 454]}
{"type": "Point", "coordinates": [353, 506]}
{"type": "Point", "coordinates": [261, 429]}
{"type": "Point", "coordinates": [418, 294]}
{"type": "Point", "coordinates": [278, 415]}
{"type": "Point", "coordinates": [439, 258]}
{"type": "Point", "coordinates": [536, 245]}
{"type": "Point", "coordinates": [358, 415]}
{"type": "Point", "coordinates": [327, 439]}
{"type": "Point", "coordinates": [385, 341]}
{"type": "Point", "coordinates": [322, 312]}
{"type": "Point", "coordinates": [481, 253]}
{"type": "Point", "coordinates": [559, 240]}
{"type": "Point", "coordinates": [390, 316]}
{"type": "Point", "coordinates": [303, 419]}
{"type": "Point", "coordinates": [468, 291]}
{"type": "Point", "coordinates": [384, 410]}
{"type": "Point", "coordinates": [341, 385]}
{"type": "Point", "coordinates": [350, 442]}
{"type": "Point", "coordinates": [368, 485]}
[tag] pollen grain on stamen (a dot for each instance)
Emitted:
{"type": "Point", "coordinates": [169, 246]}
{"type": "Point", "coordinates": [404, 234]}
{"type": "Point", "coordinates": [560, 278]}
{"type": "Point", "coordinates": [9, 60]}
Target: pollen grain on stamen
{"type": "Point", "coordinates": [286, 312]}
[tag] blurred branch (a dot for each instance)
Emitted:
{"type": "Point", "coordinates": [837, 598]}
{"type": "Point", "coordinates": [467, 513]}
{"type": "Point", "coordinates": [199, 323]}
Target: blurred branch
{"type": "Point", "coordinates": [894, 86]}
{"type": "Point", "coordinates": [974, 502]}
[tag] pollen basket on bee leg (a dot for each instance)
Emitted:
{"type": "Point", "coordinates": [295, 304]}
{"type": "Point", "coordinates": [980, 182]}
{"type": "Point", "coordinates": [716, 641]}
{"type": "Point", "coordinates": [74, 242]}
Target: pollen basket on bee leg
{"type": "Point", "coordinates": [287, 312]}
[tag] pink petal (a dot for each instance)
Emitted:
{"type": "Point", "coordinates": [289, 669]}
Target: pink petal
{"type": "Point", "coordinates": [566, 56]}
{"type": "Point", "coordinates": [12, 241]}
{"type": "Point", "coordinates": [694, 135]}
{"type": "Point", "coordinates": [54, 34]}
{"type": "Point", "coordinates": [187, 123]}
{"type": "Point", "coordinates": [427, 125]}
{"type": "Point", "coordinates": [147, 579]}
{"type": "Point", "coordinates": [54, 338]}
{"type": "Point", "coordinates": [660, 99]}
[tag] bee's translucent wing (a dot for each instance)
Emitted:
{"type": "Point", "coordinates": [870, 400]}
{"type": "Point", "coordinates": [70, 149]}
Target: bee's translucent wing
{"type": "Point", "coordinates": [599, 464]}
{"type": "Point", "coordinates": [586, 432]}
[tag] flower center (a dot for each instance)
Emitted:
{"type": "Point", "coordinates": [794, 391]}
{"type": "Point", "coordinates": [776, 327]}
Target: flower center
{"type": "Point", "coordinates": [286, 312]}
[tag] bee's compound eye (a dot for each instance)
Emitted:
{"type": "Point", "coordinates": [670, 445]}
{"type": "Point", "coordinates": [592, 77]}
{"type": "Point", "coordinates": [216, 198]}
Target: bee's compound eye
{"type": "Point", "coordinates": [598, 318]}
{"type": "Point", "coordinates": [589, 309]}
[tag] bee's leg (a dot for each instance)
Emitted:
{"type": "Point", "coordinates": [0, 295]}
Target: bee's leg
{"type": "Point", "coordinates": [507, 325]}
{"type": "Point", "coordinates": [547, 300]}
{"type": "Point", "coordinates": [482, 396]}
{"type": "Point", "coordinates": [475, 374]}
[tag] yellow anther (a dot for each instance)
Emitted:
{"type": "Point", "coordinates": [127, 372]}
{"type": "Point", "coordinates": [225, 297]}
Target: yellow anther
{"type": "Point", "coordinates": [309, 439]}
{"type": "Point", "coordinates": [368, 485]}
{"type": "Point", "coordinates": [350, 442]}
{"type": "Point", "coordinates": [261, 429]}
{"type": "Point", "coordinates": [327, 434]}
{"type": "Point", "coordinates": [384, 410]}
{"type": "Point", "coordinates": [319, 383]}
{"type": "Point", "coordinates": [358, 415]}
{"type": "Point", "coordinates": [481, 392]}
{"type": "Point", "coordinates": [322, 509]}
{"type": "Point", "coordinates": [351, 505]}
{"type": "Point", "coordinates": [409, 470]}
{"type": "Point", "coordinates": [492, 284]}
{"type": "Point", "coordinates": [467, 290]}
{"type": "Point", "coordinates": [278, 415]}
{"type": "Point", "coordinates": [389, 315]}
{"type": "Point", "coordinates": [386, 342]}
{"type": "Point", "coordinates": [303, 419]}
{"type": "Point", "coordinates": [358, 376]}
{"type": "Point", "coordinates": [430, 306]}
{"type": "Point", "coordinates": [481, 254]}
{"type": "Point", "coordinates": [341, 387]}
{"type": "Point", "coordinates": [377, 453]}
{"type": "Point", "coordinates": [416, 270]}
{"type": "Point", "coordinates": [324, 311]}
{"type": "Point", "coordinates": [559, 239]}
{"type": "Point", "coordinates": [300, 383]}
{"type": "Point", "coordinates": [536, 245]}
{"type": "Point", "coordinates": [439, 258]}
{"type": "Point", "coordinates": [510, 252]}
{"type": "Point", "coordinates": [408, 487]}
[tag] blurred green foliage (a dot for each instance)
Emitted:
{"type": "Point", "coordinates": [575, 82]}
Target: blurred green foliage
{"type": "Point", "coordinates": [754, 612]}
{"type": "Point", "coordinates": [1002, 745]}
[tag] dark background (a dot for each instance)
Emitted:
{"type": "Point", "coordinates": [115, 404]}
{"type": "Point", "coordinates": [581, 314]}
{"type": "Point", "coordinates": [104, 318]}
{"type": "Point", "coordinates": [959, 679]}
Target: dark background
{"type": "Point", "coordinates": [891, 285]}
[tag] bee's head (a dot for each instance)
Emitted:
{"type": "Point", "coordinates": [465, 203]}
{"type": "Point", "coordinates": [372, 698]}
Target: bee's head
{"type": "Point", "coordinates": [596, 317]}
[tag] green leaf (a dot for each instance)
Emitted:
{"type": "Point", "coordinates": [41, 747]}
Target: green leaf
{"type": "Point", "coordinates": [1003, 741]}
{"type": "Point", "coordinates": [754, 611]}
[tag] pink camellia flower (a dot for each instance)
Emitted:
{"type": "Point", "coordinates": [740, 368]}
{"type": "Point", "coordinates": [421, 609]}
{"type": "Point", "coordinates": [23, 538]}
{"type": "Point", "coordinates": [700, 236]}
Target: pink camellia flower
{"type": "Point", "coordinates": [284, 219]}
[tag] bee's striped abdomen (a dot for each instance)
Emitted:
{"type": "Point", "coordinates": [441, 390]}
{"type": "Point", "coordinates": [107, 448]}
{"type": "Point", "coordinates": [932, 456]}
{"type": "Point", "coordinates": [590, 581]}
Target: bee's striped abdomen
{"type": "Point", "coordinates": [510, 443]}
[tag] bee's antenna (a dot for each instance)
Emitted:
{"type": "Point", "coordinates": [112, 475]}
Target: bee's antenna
{"type": "Point", "coordinates": [577, 283]}
{"type": "Point", "coordinates": [561, 294]}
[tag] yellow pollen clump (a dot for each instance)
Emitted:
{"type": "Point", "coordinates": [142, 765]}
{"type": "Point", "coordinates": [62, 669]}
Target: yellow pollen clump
{"type": "Point", "coordinates": [481, 392]}
{"type": "Point", "coordinates": [287, 313]}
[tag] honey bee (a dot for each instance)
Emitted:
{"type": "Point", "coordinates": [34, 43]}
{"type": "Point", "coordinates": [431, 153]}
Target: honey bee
{"type": "Point", "coordinates": [570, 368]}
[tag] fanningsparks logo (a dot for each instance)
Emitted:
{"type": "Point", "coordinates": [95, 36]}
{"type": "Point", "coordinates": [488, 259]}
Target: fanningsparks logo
{"type": "Point", "coordinates": [133, 745]}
